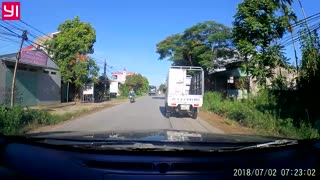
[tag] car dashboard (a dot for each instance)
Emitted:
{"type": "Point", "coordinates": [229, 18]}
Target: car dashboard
{"type": "Point", "coordinates": [24, 159]}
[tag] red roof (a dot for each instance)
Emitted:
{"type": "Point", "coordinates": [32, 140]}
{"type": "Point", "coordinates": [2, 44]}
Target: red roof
{"type": "Point", "coordinates": [117, 73]}
{"type": "Point", "coordinates": [120, 73]}
{"type": "Point", "coordinates": [28, 48]}
{"type": "Point", "coordinates": [130, 73]}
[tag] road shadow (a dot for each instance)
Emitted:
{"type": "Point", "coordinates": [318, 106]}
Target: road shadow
{"type": "Point", "coordinates": [176, 115]}
{"type": "Point", "coordinates": [163, 111]}
{"type": "Point", "coordinates": [51, 133]}
{"type": "Point", "coordinates": [158, 97]}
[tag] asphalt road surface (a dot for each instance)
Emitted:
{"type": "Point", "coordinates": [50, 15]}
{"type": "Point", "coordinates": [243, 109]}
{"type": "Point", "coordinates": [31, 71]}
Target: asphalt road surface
{"type": "Point", "coordinates": [147, 113]}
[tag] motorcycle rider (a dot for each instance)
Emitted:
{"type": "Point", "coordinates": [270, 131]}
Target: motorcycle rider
{"type": "Point", "coordinates": [131, 93]}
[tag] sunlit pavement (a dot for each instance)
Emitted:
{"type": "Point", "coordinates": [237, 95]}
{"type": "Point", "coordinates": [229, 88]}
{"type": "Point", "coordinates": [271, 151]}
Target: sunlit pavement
{"type": "Point", "coordinates": [147, 113]}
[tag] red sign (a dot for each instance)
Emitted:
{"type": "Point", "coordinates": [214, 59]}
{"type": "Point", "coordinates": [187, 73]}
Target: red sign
{"type": "Point", "coordinates": [10, 10]}
{"type": "Point", "coordinates": [33, 57]}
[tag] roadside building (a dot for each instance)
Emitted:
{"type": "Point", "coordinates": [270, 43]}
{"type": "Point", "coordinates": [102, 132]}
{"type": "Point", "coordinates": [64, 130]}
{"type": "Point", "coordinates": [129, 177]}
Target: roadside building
{"type": "Point", "coordinates": [118, 78]}
{"type": "Point", "coordinates": [229, 78]}
{"type": "Point", "coordinates": [37, 82]}
{"type": "Point", "coordinates": [67, 90]}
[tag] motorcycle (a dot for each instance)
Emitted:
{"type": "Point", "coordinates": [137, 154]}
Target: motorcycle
{"type": "Point", "coordinates": [132, 99]}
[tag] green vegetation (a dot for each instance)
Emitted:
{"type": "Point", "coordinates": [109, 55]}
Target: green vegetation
{"type": "Point", "coordinates": [163, 88]}
{"type": "Point", "coordinates": [18, 121]}
{"type": "Point", "coordinates": [70, 50]}
{"type": "Point", "coordinates": [284, 108]}
{"type": "Point", "coordinates": [197, 45]}
{"type": "Point", "coordinates": [309, 75]}
{"type": "Point", "coordinates": [66, 116]}
{"type": "Point", "coordinates": [258, 25]}
{"type": "Point", "coordinates": [139, 83]}
{"type": "Point", "coordinates": [13, 120]}
{"type": "Point", "coordinates": [260, 113]}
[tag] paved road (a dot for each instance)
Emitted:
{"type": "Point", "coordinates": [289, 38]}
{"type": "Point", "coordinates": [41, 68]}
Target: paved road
{"type": "Point", "coordinates": [145, 114]}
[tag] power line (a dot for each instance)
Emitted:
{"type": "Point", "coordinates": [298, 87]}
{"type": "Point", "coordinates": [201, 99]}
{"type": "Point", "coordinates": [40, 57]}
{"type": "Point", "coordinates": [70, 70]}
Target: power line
{"type": "Point", "coordinates": [8, 39]}
{"type": "Point", "coordinates": [7, 34]}
{"type": "Point", "coordinates": [16, 28]}
{"type": "Point", "coordinates": [298, 23]}
{"type": "Point", "coordinates": [35, 28]}
{"type": "Point", "coordinates": [37, 48]}
{"type": "Point", "coordinates": [30, 32]}
{"type": "Point", "coordinates": [109, 67]}
{"type": "Point", "coordinates": [309, 19]}
{"type": "Point", "coordinates": [297, 38]}
{"type": "Point", "coordinates": [14, 33]}
{"type": "Point", "coordinates": [41, 46]}
{"type": "Point", "coordinates": [32, 27]}
{"type": "Point", "coordinates": [297, 34]}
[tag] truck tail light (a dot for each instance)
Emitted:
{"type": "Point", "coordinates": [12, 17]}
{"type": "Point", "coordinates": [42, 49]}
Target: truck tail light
{"type": "Point", "coordinates": [173, 104]}
{"type": "Point", "coordinates": [196, 105]}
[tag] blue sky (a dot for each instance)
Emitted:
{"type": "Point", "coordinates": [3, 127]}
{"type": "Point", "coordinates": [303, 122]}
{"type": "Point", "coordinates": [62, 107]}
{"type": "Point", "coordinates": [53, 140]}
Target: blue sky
{"type": "Point", "coordinates": [128, 30]}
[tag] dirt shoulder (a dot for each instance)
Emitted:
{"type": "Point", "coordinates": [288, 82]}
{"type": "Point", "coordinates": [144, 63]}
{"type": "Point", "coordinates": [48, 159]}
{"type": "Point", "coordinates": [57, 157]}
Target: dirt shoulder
{"type": "Point", "coordinates": [77, 111]}
{"type": "Point", "coordinates": [224, 124]}
{"type": "Point", "coordinates": [59, 109]}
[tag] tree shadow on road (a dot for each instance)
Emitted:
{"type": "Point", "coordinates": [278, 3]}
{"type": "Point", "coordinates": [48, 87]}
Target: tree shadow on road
{"type": "Point", "coordinates": [161, 98]}
{"type": "Point", "coordinates": [163, 111]}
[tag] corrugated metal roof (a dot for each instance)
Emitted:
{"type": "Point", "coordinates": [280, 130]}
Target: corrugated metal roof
{"type": "Point", "coordinates": [12, 57]}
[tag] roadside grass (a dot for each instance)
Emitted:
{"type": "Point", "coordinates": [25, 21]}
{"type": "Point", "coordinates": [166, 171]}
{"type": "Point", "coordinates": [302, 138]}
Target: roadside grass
{"type": "Point", "coordinates": [121, 97]}
{"type": "Point", "coordinates": [18, 121]}
{"type": "Point", "coordinates": [69, 115]}
{"type": "Point", "coordinates": [229, 122]}
{"type": "Point", "coordinates": [256, 112]}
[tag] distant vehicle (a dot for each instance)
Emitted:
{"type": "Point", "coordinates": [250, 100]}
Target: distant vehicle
{"type": "Point", "coordinates": [114, 88]}
{"type": "Point", "coordinates": [152, 90]}
{"type": "Point", "coordinates": [185, 89]}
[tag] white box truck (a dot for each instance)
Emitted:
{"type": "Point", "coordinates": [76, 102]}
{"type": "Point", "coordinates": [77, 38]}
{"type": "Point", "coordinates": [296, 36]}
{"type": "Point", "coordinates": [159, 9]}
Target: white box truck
{"type": "Point", "coordinates": [114, 89]}
{"type": "Point", "coordinates": [185, 89]}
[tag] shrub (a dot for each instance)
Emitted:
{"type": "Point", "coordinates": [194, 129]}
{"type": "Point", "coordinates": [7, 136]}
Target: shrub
{"type": "Point", "coordinates": [259, 112]}
{"type": "Point", "coordinates": [13, 120]}
{"type": "Point", "coordinates": [212, 101]}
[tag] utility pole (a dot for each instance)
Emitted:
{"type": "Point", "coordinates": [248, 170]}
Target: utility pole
{"type": "Point", "coordinates": [68, 91]}
{"type": "Point", "coordinates": [105, 77]}
{"type": "Point", "coordinates": [294, 48]}
{"type": "Point", "coordinates": [23, 38]}
{"type": "Point", "coordinates": [105, 68]}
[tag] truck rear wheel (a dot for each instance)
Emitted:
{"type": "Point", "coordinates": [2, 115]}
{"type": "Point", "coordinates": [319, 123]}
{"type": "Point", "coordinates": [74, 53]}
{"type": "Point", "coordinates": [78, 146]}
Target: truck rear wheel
{"type": "Point", "coordinates": [167, 112]}
{"type": "Point", "coordinates": [195, 113]}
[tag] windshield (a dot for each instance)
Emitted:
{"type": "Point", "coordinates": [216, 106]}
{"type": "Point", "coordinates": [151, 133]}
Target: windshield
{"type": "Point", "coordinates": [200, 71]}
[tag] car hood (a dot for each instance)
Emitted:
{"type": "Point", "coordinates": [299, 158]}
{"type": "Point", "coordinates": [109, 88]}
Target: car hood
{"type": "Point", "coordinates": [154, 135]}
